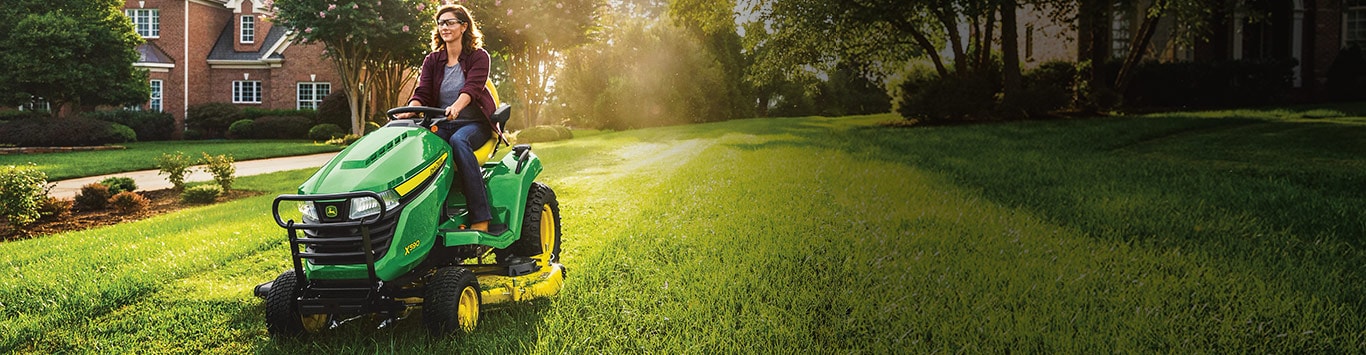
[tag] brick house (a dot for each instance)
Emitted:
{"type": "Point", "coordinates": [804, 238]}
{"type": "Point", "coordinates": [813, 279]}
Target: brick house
{"type": "Point", "coordinates": [1310, 31]}
{"type": "Point", "coordinates": [202, 51]}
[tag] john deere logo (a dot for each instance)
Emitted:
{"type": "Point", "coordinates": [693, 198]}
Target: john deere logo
{"type": "Point", "coordinates": [330, 211]}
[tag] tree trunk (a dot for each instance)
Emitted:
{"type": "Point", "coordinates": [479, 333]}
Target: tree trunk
{"type": "Point", "coordinates": [925, 45]}
{"type": "Point", "coordinates": [950, 23]}
{"type": "Point", "coordinates": [1138, 46]}
{"type": "Point", "coordinates": [1010, 53]}
{"type": "Point", "coordinates": [984, 58]}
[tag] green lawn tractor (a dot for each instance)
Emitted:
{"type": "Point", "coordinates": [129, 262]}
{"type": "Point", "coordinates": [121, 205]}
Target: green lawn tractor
{"type": "Point", "coordinates": [381, 234]}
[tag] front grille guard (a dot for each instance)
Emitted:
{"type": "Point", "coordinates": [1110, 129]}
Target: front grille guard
{"type": "Point", "coordinates": [367, 248]}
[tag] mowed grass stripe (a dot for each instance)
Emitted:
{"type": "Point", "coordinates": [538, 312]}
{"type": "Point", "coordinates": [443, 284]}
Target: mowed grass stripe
{"type": "Point", "coordinates": [95, 271]}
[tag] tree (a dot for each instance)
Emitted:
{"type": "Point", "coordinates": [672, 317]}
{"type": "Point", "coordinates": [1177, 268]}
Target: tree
{"type": "Point", "coordinates": [367, 41]}
{"type": "Point", "coordinates": [530, 36]}
{"type": "Point", "coordinates": [69, 52]}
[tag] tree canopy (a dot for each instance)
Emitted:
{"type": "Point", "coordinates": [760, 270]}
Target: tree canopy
{"type": "Point", "coordinates": [369, 42]}
{"type": "Point", "coordinates": [69, 52]}
{"type": "Point", "coordinates": [530, 36]}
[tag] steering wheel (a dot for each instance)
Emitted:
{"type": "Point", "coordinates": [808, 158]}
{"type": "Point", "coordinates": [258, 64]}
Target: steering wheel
{"type": "Point", "coordinates": [427, 113]}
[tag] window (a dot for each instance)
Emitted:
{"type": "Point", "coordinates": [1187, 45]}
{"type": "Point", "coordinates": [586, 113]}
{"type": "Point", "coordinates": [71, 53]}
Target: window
{"type": "Point", "coordinates": [36, 104]}
{"type": "Point", "coordinates": [154, 104]}
{"type": "Point", "coordinates": [147, 22]}
{"type": "Point", "coordinates": [311, 95]}
{"type": "Point", "coordinates": [1029, 42]}
{"type": "Point", "coordinates": [246, 92]}
{"type": "Point", "coordinates": [1354, 24]}
{"type": "Point", "coordinates": [248, 29]}
{"type": "Point", "coordinates": [1121, 31]}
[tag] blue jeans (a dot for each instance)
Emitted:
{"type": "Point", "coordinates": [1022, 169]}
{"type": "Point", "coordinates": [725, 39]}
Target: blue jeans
{"type": "Point", "coordinates": [464, 137]}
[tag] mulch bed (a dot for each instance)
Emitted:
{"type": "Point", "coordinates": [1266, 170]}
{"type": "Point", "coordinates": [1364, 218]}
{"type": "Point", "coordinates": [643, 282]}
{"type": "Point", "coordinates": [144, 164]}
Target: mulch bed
{"type": "Point", "coordinates": [161, 201]}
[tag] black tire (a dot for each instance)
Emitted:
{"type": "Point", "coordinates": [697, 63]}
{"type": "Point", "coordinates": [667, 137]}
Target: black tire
{"type": "Point", "coordinates": [539, 198]}
{"type": "Point", "coordinates": [447, 307]}
{"type": "Point", "coordinates": [282, 307]}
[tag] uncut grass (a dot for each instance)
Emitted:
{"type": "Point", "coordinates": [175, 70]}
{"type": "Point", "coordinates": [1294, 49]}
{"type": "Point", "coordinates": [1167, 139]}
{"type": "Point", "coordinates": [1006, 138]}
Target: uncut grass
{"type": "Point", "coordinates": [143, 155]}
{"type": "Point", "coordinates": [836, 235]}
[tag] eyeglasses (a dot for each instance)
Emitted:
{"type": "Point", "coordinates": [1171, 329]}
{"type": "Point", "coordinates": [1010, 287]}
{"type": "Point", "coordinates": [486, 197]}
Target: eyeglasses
{"type": "Point", "coordinates": [449, 22]}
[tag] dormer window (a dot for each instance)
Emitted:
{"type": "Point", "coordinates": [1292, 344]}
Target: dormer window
{"type": "Point", "coordinates": [248, 32]}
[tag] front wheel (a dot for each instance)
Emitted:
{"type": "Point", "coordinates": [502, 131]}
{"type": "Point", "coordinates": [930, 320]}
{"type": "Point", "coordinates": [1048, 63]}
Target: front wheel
{"type": "Point", "coordinates": [282, 309]}
{"type": "Point", "coordinates": [452, 301]}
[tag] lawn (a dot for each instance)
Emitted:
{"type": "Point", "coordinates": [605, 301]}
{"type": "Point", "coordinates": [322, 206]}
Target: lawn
{"type": "Point", "coordinates": [1229, 232]}
{"type": "Point", "coordinates": [143, 155]}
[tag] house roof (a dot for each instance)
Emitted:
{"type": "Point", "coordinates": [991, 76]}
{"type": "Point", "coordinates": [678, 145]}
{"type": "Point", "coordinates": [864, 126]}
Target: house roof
{"type": "Point", "coordinates": [148, 52]}
{"type": "Point", "coordinates": [222, 49]}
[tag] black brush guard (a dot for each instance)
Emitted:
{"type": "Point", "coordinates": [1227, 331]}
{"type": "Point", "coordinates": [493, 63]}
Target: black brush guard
{"type": "Point", "coordinates": [341, 242]}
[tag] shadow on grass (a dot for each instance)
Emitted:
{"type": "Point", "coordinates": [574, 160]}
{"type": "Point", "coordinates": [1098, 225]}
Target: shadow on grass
{"type": "Point", "coordinates": [1281, 198]}
{"type": "Point", "coordinates": [501, 327]}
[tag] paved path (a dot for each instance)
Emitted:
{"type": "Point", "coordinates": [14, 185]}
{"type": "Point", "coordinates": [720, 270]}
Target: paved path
{"type": "Point", "coordinates": [151, 180]}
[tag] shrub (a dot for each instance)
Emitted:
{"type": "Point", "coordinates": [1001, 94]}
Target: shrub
{"type": "Point", "coordinates": [1347, 75]}
{"type": "Point", "coordinates": [63, 132]}
{"type": "Point", "coordinates": [544, 134]}
{"type": "Point", "coordinates": [325, 132]}
{"type": "Point", "coordinates": [242, 129]}
{"type": "Point", "coordinates": [943, 100]}
{"type": "Point", "coordinates": [221, 168]}
{"type": "Point", "coordinates": [206, 193]}
{"type": "Point", "coordinates": [281, 127]}
{"type": "Point", "coordinates": [212, 119]}
{"type": "Point", "coordinates": [1046, 88]}
{"type": "Point", "coordinates": [119, 184]}
{"type": "Point", "coordinates": [174, 167]}
{"type": "Point", "coordinates": [93, 196]}
{"type": "Point", "coordinates": [344, 140]}
{"type": "Point", "coordinates": [335, 110]}
{"type": "Point", "coordinates": [252, 113]}
{"type": "Point", "coordinates": [21, 190]}
{"type": "Point", "coordinates": [14, 115]}
{"type": "Point", "coordinates": [128, 202]}
{"type": "Point", "coordinates": [52, 208]}
{"type": "Point", "coordinates": [1209, 84]}
{"type": "Point", "coordinates": [148, 125]}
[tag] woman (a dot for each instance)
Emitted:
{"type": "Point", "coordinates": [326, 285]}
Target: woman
{"type": "Point", "coordinates": [453, 78]}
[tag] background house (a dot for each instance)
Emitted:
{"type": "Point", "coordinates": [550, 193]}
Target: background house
{"type": "Point", "coordinates": [1312, 32]}
{"type": "Point", "coordinates": [202, 51]}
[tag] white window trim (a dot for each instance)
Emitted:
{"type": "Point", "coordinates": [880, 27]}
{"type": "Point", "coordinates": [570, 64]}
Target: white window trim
{"type": "Point", "coordinates": [240, 84]}
{"type": "Point", "coordinates": [317, 99]}
{"type": "Point", "coordinates": [1347, 9]}
{"type": "Point", "coordinates": [242, 30]}
{"type": "Point", "coordinates": [153, 21]}
{"type": "Point", "coordinates": [154, 104]}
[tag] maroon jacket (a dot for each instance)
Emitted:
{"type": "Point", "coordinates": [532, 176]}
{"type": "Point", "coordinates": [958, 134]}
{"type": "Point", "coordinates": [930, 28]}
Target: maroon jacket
{"type": "Point", "coordinates": [475, 64]}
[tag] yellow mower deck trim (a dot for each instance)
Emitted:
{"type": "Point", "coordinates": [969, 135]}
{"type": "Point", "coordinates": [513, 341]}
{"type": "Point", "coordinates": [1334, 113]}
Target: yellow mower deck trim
{"type": "Point", "coordinates": [503, 289]}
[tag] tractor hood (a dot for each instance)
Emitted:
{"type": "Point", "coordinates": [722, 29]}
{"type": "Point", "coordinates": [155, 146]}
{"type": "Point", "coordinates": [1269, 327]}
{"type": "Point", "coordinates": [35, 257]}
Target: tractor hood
{"type": "Point", "coordinates": [382, 160]}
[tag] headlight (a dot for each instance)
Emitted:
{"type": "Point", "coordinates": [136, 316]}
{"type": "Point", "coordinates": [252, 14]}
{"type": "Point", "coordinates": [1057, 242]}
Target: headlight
{"type": "Point", "coordinates": [310, 213]}
{"type": "Point", "coordinates": [365, 206]}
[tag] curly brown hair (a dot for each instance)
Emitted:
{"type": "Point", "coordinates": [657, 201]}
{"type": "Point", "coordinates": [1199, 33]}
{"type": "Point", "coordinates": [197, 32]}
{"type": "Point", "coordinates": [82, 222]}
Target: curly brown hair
{"type": "Point", "coordinates": [469, 41]}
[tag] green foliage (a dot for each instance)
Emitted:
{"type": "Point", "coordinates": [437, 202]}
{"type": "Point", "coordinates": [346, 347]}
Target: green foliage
{"type": "Point", "coordinates": [325, 132]}
{"type": "Point", "coordinates": [1347, 75]}
{"type": "Point", "coordinates": [1047, 88]}
{"type": "Point", "coordinates": [282, 127]}
{"type": "Point", "coordinates": [117, 184]}
{"type": "Point", "coordinates": [221, 168]}
{"type": "Point", "coordinates": [201, 194]}
{"type": "Point", "coordinates": [65, 132]}
{"type": "Point", "coordinates": [93, 196]}
{"type": "Point", "coordinates": [937, 100]}
{"type": "Point", "coordinates": [660, 76]}
{"type": "Point", "coordinates": [69, 51]}
{"type": "Point", "coordinates": [148, 125]}
{"type": "Point", "coordinates": [128, 202]}
{"type": "Point", "coordinates": [527, 34]}
{"type": "Point", "coordinates": [22, 188]}
{"type": "Point", "coordinates": [212, 119]}
{"type": "Point", "coordinates": [335, 110]}
{"type": "Point", "coordinates": [253, 113]}
{"type": "Point", "coordinates": [242, 129]}
{"type": "Point", "coordinates": [175, 167]}
{"type": "Point", "coordinates": [384, 36]}
{"type": "Point", "coordinates": [343, 140]}
{"type": "Point", "coordinates": [1239, 83]}
{"type": "Point", "coordinates": [544, 134]}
